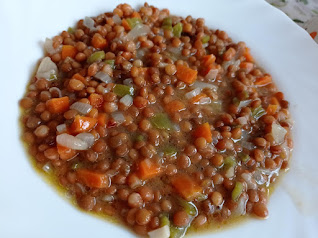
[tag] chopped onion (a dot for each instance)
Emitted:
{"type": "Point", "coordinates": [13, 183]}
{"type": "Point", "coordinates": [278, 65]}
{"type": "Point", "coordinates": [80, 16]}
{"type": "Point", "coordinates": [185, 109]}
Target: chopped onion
{"type": "Point", "coordinates": [259, 177]}
{"type": "Point", "coordinates": [47, 167]}
{"type": "Point", "coordinates": [107, 198]}
{"type": "Point", "coordinates": [48, 46]}
{"type": "Point", "coordinates": [81, 107]}
{"type": "Point", "coordinates": [86, 137]}
{"type": "Point", "coordinates": [138, 30]}
{"type": "Point", "coordinates": [47, 69]}
{"type": "Point", "coordinates": [61, 128]}
{"type": "Point", "coordinates": [127, 100]}
{"type": "Point", "coordinates": [118, 117]}
{"type": "Point", "coordinates": [117, 19]}
{"type": "Point", "coordinates": [89, 23]}
{"type": "Point", "coordinates": [32, 87]}
{"type": "Point", "coordinates": [162, 65]}
{"type": "Point", "coordinates": [242, 120]}
{"type": "Point", "coordinates": [176, 127]}
{"type": "Point", "coordinates": [205, 100]}
{"type": "Point", "coordinates": [177, 51]}
{"type": "Point", "coordinates": [233, 62]}
{"type": "Point", "coordinates": [55, 89]}
{"type": "Point", "coordinates": [241, 206]}
{"type": "Point", "coordinates": [203, 85]}
{"type": "Point", "coordinates": [205, 45]}
{"type": "Point", "coordinates": [193, 93]}
{"type": "Point", "coordinates": [128, 81]}
{"type": "Point", "coordinates": [212, 74]}
{"type": "Point", "coordinates": [247, 145]}
{"type": "Point", "coordinates": [244, 103]}
{"type": "Point", "coordinates": [250, 181]}
{"type": "Point", "coordinates": [71, 142]}
{"type": "Point", "coordinates": [162, 232]}
{"type": "Point", "coordinates": [140, 54]}
{"type": "Point", "coordinates": [103, 77]}
{"type": "Point", "coordinates": [278, 133]}
{"type": "Point", "coordinates": [230, 172]}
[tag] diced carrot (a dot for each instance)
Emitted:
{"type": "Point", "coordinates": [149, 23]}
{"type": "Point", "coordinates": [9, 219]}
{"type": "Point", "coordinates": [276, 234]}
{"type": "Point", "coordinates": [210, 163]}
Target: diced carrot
{"type": "Point", "coordinates": [98, 41]}
{"type": "Point", "coordinates": [68, 51]}
{"type": "Point", "coordinates": [175, 106]}
{"type": "Point", "coordinates": [125, 24]}
{"type": "Point", "coordinates": [247, 55]}
{"type": "Point", "coordinates": [313, 34]}
{"type": "Point", "coordinates": [204, 131]}
{"type": "Point", "coordinates": [92, 179]}
{"type": "Point", "coordinates": [186, 187]}
{"type": "Point", "coordinates": [148, 169]}
{"type": "Point", "coordinates": [58, 105]}
{"type": "Point", "coordinates": [280, 96]}
{"type": "Point", "coordinates": [82, 124]}
{"type": "Point", "coordinates": [79, 77]}
{"type": "Point", "coordinates": [247, 65]}
{"type": "Point", "coordinates": [272, 109]}
{"type": "Point", "coordinates": [208, 60]}
{"type": "Point", "coordinates": [274, 101]}
{"type": "Point", "coordinates": [135, 15]}
{"type": "Point", "coordinates": [102, 119]}
{"type": "Point", "coordinates": [65, 153]}
{"type": "Point", "coordinates": [96, 100]}
{"type": "Point", "coordinates": [263, 81]}
{"type": "Point", "coordinates": [207, 69]}
{"type": "Point", "coordinates": [196, 99]}
{"type": "Point", "coordinates": [186, 74]}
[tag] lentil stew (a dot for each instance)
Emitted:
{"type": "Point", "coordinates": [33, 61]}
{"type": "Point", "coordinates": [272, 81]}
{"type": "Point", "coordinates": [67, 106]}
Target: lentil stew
{"type": "Point", "coordinates": [157, 121]}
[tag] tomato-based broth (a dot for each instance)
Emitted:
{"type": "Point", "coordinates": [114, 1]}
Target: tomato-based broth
{"type": "Point", "coordinates": [156, 121]}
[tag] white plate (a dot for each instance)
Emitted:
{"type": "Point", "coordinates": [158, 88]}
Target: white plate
{"type": "Point", "coordinates": [31, 208]}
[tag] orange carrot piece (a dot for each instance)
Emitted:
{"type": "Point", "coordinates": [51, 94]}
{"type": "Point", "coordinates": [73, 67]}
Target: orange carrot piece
{"type": "Point", "coordinates": [186, 74]}
{"type": "Point", "coordinates": [125, 24]}
{"type": "Point", "coordinates": [96, 100]}
{"type": "Point", "coordinates": [186, 187]}
{"type": "Point", "coordinates": [274, 101]}
{"type": "Point", "coordinates": [148, 169]}
{"type": "Point", "coordinates": [98, 41]}
{"type": "Point", "coordinates": [58, 105]}
{"type": "Point", "coordinates": [263, 81]}
{"type": "Point", "coordinates": [175, 106]}
{"type": "Point", "coordinates": [65, 153]}
{"type": "Point", "coordinates": [313, 34]}
{"type": "Point", "coordinates": [204, 131]}
{"type": "Point", "coordinates": [247, 55]}
{"type": "Point", "coordinates": [102, 119]}
{"type": "Point", "coordinates": [196, 99]}
{"type": "Point", "coordinates": [207, 69]}
{"type": "Point", "coordinates": [208, 60]}
{"type": "Point", "coordinates": [92, 179]}
{"type": "Point", "coordinates": [82, 124]}
{"type": "Point", "coordinates": [135, 15]}
{"type": "Point", "coordinates": [247, 65]}
{"type": "Point", "coordinates": [68, 51]}
{"type": "Point", "coordinates": [272, 109]}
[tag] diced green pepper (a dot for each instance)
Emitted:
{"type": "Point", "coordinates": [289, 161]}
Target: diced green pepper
{"type": "Point", "coordinates": [70, 30]}
{"type": "Point", "coordinates": [170, 150]}
{"type": "Point", "coordinates": [258, 112]}
{"type": "Point", "coordinates": [132, 22]}
{"type": "Point", "coordinates": [122, 90]}
{"type": "Point", "coordinates": [161, 121]}
{"type": "Point", "coordinates": [229, 162]}
{"type": "Point", "coordinates": [164, 221]}
{"type": "Point", "coordinates": [244, 157]}
{"type": "Point", "coordinates": [177, 232]}
{"type": "Point", "coordinates": [205, 39]}
{"type": "Point", "coordinates": [167, 23]}
{"type": "Point", "coordinates": [189, 207]}
{"type": "Point", "coordinates": [177, 29]}
{"type": "Point", "coordinates": [96, 56]}
{"type": "Point", "coordinates": [111, 63]}
{"type": "Point", "coordinates": [237, 191]}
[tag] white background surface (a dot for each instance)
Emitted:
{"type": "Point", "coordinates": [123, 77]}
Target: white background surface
{"type": "Point", "coordinates": [31, 208]}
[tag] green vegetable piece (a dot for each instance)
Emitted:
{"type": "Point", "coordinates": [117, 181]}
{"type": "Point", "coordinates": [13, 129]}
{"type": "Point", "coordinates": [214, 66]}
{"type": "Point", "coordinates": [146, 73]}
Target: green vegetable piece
{"type": "Point", "coordinates": [237, 191]}
{"type": "Point", "coordinates": [177, 232]}
{"type": "Point", "coordinates": [205, 39]}
{"type": "Point", "coordinates": [164, 221]}
{"type": "Point", "coordinates": [229, 162]}
{"type": "Point", "coordinates": [167, 23]}
{"type": "Point", "coordinates": [258, 112]}
{"type": "Point", "coordinates": [132, 22]}
{"type": "Point", "coordinates": [140, 138]}
{"type": "Point", "coordinates": [189, 207]}
{"type": "Point", "coordinates": [111, 63]}
{"type": "Point", "coordinates": [161, 121]}
{"type": "Point", "coordinates": [96, 56]}
{"type": "Point", "coordinates": [170, 150]}
{"type": "Point", "coordinates": [177, 29]}
{"type": "Point", "coordinates": [70, 30]}
{"type": "Point", "coordinates": [244, 157]}
{"type": "Point", "coordinates": [122, 90]}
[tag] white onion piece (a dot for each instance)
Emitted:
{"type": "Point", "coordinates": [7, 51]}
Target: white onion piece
{"type": "Point", "coordinates": [55, 89]}
{"type": "Point", "coordinates": [242, 120]}
{"type": "Point", "coordinates": [118, 117]}
{"type": "Point", "coordinates": [48, 46]}
{"type": "Point", "coordinates": [203, 85]}
{"type": "Point", "coordinates": [138, 30]}
{"type": "Point", "coordinates": [259, 177]}
{"type": "Point", "coordinates": [47, 167]}
{"type": "Point", "coordinates": [244, 103]}
{"type": "Point", "coordinates": [176, 127]}
{"type": "Point", "coordinates": [71, 142]}
{"type": "Point", "coordinates": [248, 145]}
{"type": "Point", "coordinates": [241, 206]}
{"type": "Point", "coordinates": [235, 63]}
{"type": "Point", "coordinates": [127, 100]}
{"type": "Point", "coordinates": [117, 19]}
{"type": "Point", "coordinates": [250, 181]}
{"type": "Point", "coordinates": [47, 69]}
{"type": "Point", "coordinates": [89, 23]}
{"type": "Point", "coordinates": [61, 128]}
{"type": "Point", "coordinates": [107, 198]}
{"type": "Point", "coordinates": [175, 50]}
{"type": "Point", "coordinates": [140, 53]}
{"type": "Point", "coordinates": [278, 133]}
{"type": "Point", "coordinates": [81, 107]}
{"type": "Point", "coordinates": [87, 137]}
{"type": "Point", "coordinates": [103, 77]}
{"type": "Point", "coordinates": [230, 172]}
{"type": "Point", "coordinates": [212, 74]}
{"type": "Point", "coordinates": [205, 45]}
{"type": "Point", "coordinates": [128, 81]}
{"type": "Point", "coordinates": [162, 232]}
{"type": "Point", "coordinates": [193, 93]}
{"type": "Point", "coordinates": [162, 65]}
